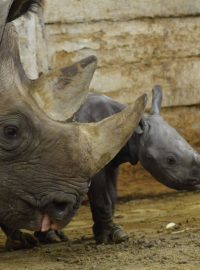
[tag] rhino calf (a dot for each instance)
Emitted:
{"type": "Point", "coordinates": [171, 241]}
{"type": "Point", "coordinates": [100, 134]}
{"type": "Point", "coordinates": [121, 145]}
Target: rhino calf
{"type": "Point", "coordinates": [155, 144]}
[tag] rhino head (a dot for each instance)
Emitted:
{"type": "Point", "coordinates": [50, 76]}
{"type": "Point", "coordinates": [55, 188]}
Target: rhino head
{"type": "Point", "coordinates": [165, 153]}
{"type": "Point", "coordinates": [45, 159]}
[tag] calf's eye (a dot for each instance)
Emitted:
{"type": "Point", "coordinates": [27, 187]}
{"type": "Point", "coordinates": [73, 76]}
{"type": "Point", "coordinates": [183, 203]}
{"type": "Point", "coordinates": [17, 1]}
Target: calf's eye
{"type": "Point", "coordinates": [171, 160]}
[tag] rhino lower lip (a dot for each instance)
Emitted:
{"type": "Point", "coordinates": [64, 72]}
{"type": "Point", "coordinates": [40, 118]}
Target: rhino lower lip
{"type": "Point", "coordinates": [193, 182]}
{"type": "Point", "coordinates": [47, 224]}
{"type": "Point", "coordinates": [196, 187]}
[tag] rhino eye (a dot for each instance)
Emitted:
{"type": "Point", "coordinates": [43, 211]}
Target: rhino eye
{"type": "Point", "coordinates": [171, 160]}
{"type": "Point", "coordinates": [11, 132]}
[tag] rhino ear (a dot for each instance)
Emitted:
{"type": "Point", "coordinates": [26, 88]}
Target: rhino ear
{"type": "Point", "coordinates": [106, 138]}
{"type": "Point", "coordinates": [156, 100]}
{"type": "Point", "coordinates": [61, 93]}
{"type": "Point", "coordinates": [20, 7]}
{"type": "Point", "coordinates": [141, 127]}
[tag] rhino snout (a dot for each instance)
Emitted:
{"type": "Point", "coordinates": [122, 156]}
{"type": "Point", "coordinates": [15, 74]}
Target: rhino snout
{"type": "Point", "coordinates": [192, 184]}
{"type": "Point", "coordinates": [193, 181]}
{"type": "Point", "coordinates": [58, 211]}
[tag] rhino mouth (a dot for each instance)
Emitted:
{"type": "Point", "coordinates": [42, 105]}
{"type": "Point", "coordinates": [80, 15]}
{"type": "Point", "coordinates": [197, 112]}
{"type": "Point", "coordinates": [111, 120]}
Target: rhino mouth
{"type": "Point", "coordinates": [39, 221]}
{"type": "Point", "coordinates": [49, 221]}
{"type": "Point", "coordinates": [193, 184]}
{"type": "Point", "coordinates": [48, 224]}
{"type": "Point", "coordinates": [43, 219]}
{"type": "Point", "coordinates": [53, 213]}
{"type": "Point", "coordinates": [189, 185]}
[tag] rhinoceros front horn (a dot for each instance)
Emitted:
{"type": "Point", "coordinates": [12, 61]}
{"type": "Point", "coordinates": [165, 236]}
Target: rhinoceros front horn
{"type": "Point", "coordinates": [104, 139]}
{"type": "Point", "coordinates": [61, 93]}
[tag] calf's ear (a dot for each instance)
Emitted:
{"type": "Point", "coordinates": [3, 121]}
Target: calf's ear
{"type": "Point", "coordinates": [141, 127]}
{"type": "Point", "coordinates": [156, 100]}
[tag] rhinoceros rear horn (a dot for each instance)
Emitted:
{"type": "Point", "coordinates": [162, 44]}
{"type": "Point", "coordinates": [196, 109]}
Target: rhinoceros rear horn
{"type": "Point", "coordinates": [61, 93]}
{"type": "Point", "coordinates": [156, 100]}
{"type": "Point", "coordinates": [107, 137]}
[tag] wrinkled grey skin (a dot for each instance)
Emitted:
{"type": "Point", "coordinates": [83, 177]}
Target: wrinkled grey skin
{"type": "Point", "coordinates": [45, 159]}
{"type": "Point", "coordinates": [155, 144]}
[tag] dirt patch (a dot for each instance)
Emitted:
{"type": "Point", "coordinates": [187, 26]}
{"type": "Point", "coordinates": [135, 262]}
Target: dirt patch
{"type": "Point", "coordinates": [151, 245]}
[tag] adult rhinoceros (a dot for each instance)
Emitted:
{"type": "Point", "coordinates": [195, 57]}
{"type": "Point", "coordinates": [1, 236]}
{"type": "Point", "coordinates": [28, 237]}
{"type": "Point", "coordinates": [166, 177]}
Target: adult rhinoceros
{"type": "Point", "coordinates": [45, 160]}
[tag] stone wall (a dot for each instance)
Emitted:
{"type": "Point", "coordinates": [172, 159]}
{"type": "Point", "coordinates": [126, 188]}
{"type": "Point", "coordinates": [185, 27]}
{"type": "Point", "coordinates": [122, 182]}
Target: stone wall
{"type": "Point", "coordinates": [138, 44]}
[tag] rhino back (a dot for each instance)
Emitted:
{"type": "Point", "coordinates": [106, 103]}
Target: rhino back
{"type": "Point", "coordinates": [96, 108]}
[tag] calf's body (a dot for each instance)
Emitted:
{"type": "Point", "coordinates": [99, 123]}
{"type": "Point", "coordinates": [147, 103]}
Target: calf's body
{"type": "Point", "coordinates": [159, 148]}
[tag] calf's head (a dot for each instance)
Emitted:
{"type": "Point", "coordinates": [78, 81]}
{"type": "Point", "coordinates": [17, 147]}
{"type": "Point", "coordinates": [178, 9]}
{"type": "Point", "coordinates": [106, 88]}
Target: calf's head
{"type": "Point", "coordinates": [164, 153]}
{"type": "Point", "coordinates": [46, 160]}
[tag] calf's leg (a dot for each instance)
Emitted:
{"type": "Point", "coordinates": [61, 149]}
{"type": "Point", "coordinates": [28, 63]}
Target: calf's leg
{"type": "Point", "coordinates": [102, 196]}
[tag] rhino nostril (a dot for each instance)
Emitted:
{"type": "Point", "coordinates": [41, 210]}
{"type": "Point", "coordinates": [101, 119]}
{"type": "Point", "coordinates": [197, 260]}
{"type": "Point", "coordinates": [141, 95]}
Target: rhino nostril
{"type": "Point", "coordinates": [60, 206]}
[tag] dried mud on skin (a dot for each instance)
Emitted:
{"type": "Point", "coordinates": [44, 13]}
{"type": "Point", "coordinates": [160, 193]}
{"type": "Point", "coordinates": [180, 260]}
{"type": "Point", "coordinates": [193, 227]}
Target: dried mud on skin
{"type": "Point", "coordinates": [150, 246]}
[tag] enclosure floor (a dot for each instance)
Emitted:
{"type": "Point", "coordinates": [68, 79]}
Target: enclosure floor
{"type": "Point", "coordinates": [150, 245]}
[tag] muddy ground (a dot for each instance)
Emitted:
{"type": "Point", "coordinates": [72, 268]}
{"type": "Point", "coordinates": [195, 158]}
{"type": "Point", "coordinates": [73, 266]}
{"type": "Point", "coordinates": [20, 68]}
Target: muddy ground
{"type": "Point", "coordinates": [144, 209]}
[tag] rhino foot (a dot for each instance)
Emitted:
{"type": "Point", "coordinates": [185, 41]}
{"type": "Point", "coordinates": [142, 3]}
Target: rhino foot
{"type": "Point", "coordinates": [109, 233]}
{"type": "Point", "coordinates": [51, 237]}
{"type": "Point", "coordinates": [20, 240]}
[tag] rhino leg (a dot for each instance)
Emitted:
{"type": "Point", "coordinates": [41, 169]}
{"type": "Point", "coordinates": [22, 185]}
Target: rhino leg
{"type": "Point", "coordinates": [102, 196]}
{"type": "Point", "coordinates": [18, 240]}
{"type": "Point", "coordinates": [51, 237]}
